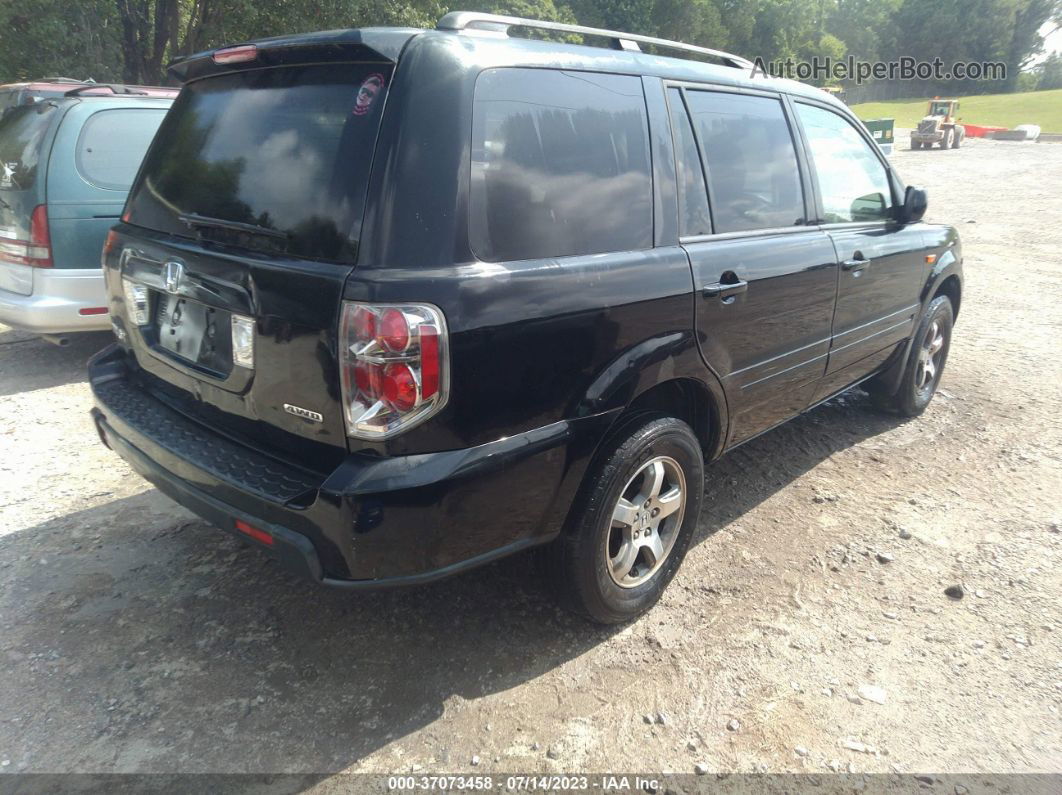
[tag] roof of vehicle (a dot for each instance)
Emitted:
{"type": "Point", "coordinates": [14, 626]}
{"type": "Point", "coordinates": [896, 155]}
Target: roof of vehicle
{"type": "Point", "coordinates": [60, 87]}
{"type": "Point", "coordinates": [389, 43]}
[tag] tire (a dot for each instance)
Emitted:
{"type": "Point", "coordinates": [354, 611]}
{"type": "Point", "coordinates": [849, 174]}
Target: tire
{"type": "Point", "coordinates": [945, 140]}
{"type": "Point", "coordinates": [587, 561]}
{"type": "Point", "coordinates": [916, 144]}
{"type": "Point", "coordinates": [956, 139]}
{"type": "Point", "coordinates": [914, 392]}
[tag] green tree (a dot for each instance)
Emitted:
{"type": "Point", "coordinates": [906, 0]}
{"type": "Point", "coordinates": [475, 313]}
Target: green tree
{"type": "Point", "coordinates": [691, 21]}
{"type": "Point", "coordinates": [973, 30]}
{"type": "Point", "coordinates": [1049, 73]}
{"type": "Point", "coordinates": [52, 38]}
{"type": "Point", "coordinates": [631, 16]}
{"type": "Point", "coordinates": [865, 26]}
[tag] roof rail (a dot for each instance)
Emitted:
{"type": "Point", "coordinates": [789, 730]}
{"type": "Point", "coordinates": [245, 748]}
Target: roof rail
{"type": "Point", "coordinates": [495, 23]}
{"type": "Point", "coordinates": [62, 80]}
{"type": "Point", "coordinates": [114, 88]}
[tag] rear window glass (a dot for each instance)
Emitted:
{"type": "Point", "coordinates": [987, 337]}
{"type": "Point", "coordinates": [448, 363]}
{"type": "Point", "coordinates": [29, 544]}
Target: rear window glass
{"type": "Point", "coordinates": [112, 144]}
{"type": "Point", "coordinates": [22, 133]}
{"type": "Point", "coordinates": [271, 159]}
{"type": "Point", "coordinates": [752, 166]}
{"type": "Point", "coordinates": [560, 165]}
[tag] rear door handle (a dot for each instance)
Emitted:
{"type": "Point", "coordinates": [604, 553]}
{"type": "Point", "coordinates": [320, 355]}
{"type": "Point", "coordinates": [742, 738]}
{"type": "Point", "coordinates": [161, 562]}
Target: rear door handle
{"type": "Point", "coordinates": [724, 289]}
{"type": "Point", "coordinates": [855, 264]}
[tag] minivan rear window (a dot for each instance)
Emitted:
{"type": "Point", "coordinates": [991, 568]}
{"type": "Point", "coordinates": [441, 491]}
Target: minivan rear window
{"type": "Point", "coordinates": [560, 165]}
{"type": "Point", "coordinates": [268, 159]}
{"type": "Point", "coordinates": [22, 132]}
{"type": "Point", "coordinates": [112, 144]}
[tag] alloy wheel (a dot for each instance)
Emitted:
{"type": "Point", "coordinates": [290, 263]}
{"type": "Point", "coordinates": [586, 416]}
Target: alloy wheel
{"type": "Point", "coordinates": [645, 522]}
{"type": "Point", "coordinates": [929, 357]}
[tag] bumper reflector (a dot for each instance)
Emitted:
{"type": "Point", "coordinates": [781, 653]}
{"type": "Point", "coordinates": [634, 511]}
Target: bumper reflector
{"type": "Point", "coordinates": [92, 310]}
{"type": "Point", "coordinates": [258, 535]}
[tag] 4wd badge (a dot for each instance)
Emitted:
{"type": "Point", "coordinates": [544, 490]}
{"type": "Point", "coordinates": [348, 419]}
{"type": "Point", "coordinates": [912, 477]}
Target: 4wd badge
{"type": "Point", "coordinates": [306, 414]}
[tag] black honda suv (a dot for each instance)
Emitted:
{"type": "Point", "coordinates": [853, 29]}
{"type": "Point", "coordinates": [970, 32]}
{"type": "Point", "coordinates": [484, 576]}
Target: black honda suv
{"type": "Point", "coordinates": [394, 303]}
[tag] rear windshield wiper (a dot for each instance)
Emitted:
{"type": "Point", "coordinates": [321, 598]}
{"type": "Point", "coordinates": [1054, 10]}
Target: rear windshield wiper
{"type": "Point", "coordinates": [192, 220]}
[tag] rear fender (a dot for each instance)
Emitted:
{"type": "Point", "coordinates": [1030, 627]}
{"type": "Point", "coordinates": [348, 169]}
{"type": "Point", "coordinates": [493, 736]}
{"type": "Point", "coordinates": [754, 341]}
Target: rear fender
{"type": "Point", "coordinates": [666, 358]}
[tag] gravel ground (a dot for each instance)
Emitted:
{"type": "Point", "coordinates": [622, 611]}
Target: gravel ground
{"type": "Point", "coordinates": [807, 631]}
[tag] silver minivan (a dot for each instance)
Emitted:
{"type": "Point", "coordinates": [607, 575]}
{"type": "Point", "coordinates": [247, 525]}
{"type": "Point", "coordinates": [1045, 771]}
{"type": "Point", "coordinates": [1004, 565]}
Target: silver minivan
{"type": "Point", "coordinates": [66, 164]}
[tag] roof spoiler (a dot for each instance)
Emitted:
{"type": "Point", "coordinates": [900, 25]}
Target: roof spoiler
{"type": "Point", "coordinates": [367, 44]}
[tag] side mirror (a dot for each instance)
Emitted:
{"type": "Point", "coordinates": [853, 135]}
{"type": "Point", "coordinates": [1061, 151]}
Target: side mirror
{"type": "Point", "coordinates": [915, 202]}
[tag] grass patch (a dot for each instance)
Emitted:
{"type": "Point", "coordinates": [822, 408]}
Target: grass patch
{"type": "Point", "coordinates": [992, 110]}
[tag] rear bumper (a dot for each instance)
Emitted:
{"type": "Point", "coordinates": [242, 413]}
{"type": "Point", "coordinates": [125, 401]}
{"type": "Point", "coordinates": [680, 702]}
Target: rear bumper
{"type": "Point", "coordinates": [371, 523]}
{"type": "Point", "coordinates": [57, 298]}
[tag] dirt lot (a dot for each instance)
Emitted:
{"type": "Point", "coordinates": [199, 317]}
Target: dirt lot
{"type": "Point", "coordinates": [134, 637]}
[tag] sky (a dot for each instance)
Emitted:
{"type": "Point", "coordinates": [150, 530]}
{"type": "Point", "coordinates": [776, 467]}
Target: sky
{"type": "Point", "coordinates": [1052, 43]}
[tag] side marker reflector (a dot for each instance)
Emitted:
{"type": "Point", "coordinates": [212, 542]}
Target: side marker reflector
{"type": "Point", "coordinates": [258, 535]}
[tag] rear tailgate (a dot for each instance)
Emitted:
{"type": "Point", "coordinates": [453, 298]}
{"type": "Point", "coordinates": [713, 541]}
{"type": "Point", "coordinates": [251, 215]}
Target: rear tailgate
{"type": "Point", "coordinates": [246, 215]}
{"type": "Point", "coordinates": [26, 135]}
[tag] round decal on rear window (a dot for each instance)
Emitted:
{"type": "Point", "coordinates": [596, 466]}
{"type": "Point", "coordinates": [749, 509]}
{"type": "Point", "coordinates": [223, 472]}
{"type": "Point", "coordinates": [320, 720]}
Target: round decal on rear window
{"type": "Point", "coordinates": [371, 87]}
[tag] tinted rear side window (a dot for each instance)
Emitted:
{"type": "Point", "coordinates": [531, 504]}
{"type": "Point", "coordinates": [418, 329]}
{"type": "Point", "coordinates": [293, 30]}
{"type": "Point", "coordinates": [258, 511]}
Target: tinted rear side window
{"type": "Point", "coordinates": [693, 195]}
{"type": "Point", "coordinates": [285, 152]}
{"type": "Point", "coordinates": [560, 165]}
{"type": "Point", "coordinates": [22, 133]}
{"type": "Point", "coordinates": [112, 144]}
{"type": "Point", "coordinates": [753, 177]}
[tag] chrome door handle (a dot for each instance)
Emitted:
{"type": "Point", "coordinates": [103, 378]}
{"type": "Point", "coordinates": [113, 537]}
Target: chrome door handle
{"type": "Point", "coordinates": [724, 289]}
{"type": "Point", "coordinates": [855, 264]}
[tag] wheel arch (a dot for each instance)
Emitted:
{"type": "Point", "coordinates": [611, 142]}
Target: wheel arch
{"type": "Point", "coordinates": [688, 400]}
{"type": "Point", "coordinates": [951, 286]}
{"type": "Point", "coordinates": [664, 375]}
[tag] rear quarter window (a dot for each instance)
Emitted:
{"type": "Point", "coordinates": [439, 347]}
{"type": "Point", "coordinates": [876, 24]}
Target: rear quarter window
{"type": "Point", "coordinates": [560, 165]}
{"type": "Point", "coordinates": [22, 134]}
{"type": "Point", "coordinates": [113, 142]}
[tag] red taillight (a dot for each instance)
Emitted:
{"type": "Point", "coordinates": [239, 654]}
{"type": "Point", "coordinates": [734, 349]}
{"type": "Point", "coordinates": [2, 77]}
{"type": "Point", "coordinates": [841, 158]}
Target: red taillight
{"type": "Point", "coordinates": [394, 331]}
{"type": "Point", "coordinates": [92, 310]}
{"type": "Point", "coordinates": [258, 535]}
{"type": "Point", "coordinates": [369, 379]}
{"type": "Point", "coordinates": [394, 366]}
{"type": "Point", "coordinates": [109, 241]}
{"type": "Point", "coordinates": [430, 375]}
{"type": "Point", "coordinates": [112, 238]}
{"type": "Point", "coordinates": [35, 252]}
{"type": "Point", "coordinates": [364, 323]}
{"type": "Point", "coordinates": [244, 52]}
{"type": "Point", "coordinates": [399, 387]}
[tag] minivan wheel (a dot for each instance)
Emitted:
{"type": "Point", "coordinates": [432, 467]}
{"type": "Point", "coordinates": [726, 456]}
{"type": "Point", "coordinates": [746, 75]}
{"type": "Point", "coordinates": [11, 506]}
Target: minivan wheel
{"type": "Point", "coordinates": [633, 522]}
{"type": "Point", "coordinates": [925, 362]}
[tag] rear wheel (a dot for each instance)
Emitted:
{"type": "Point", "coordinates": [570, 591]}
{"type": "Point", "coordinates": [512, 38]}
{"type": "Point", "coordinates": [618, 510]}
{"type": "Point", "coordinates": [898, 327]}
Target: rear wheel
{"type": "Point", "coordinates": [925, 362]}
{"type": "Point", "coordinates": [945, 140]}
{"type": "Point", "coordinates": [916, 144]}
{"type": "Point", "coordinates": [956, 138]}
{"type": "Point", "coordinates": [633, 523]}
